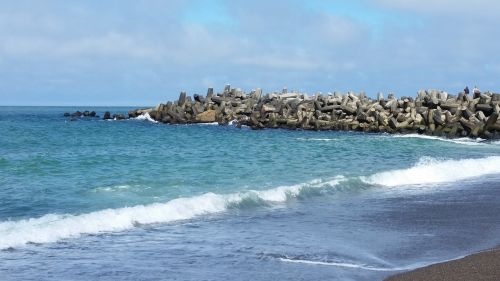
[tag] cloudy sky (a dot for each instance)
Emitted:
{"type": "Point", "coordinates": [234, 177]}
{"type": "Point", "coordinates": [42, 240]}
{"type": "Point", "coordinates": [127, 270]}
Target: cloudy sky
{"type": "Point", "coordinates": [121, 52]}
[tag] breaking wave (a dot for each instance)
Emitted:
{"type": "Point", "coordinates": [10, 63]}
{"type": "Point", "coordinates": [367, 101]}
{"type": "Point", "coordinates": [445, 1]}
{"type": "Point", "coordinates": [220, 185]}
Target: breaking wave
{"type": "Point", "coordinates": [340, 264]}
{"type": "Point", "coordinates": [54, 227]}
{"type": "Point", "coordinates": [430, 170]}
{"type": "Point", "coordinates": [360, 266]}
{"type": "Point", "coordinates": [464, 141]}
{"type": "Point", "coordinates": [317, 139]}
{"type": "Point", "coordinates": [145, 117]}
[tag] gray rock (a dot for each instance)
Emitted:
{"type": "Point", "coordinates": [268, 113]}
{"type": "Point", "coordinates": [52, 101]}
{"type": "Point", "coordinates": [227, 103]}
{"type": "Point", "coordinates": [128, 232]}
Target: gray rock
{"type": "Point", "coordinates": [182, 99]}
{"type": "Point", "coordinates": [107, 115]}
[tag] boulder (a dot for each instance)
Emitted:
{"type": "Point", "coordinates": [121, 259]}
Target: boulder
{"type": "Point", "coordinates": [393, 123]}
{"type": "Point", "coordinates": [485, 108]}
{"type": "Point", "coordinates": [492, 119]}
{"type": "Point", "coordinates": [119, 116]}
{"type": "Point", "coordinates": [199, 98]}
{"type": "Point", "coordinates": [107, 115]}
{"type": "Point", "coordinates": [182, 99]}
{"type": "Point", "coordinates": [206, 117]}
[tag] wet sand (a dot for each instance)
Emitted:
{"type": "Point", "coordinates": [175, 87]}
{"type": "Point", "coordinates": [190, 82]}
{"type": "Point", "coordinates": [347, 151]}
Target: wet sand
{"type": "Point", "coordinates": [480, 266]}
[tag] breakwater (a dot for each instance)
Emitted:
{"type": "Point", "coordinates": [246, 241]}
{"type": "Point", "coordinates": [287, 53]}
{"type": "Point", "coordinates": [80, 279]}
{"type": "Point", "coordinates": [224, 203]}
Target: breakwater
{"type": "Point", "coordinates": [431, 112]}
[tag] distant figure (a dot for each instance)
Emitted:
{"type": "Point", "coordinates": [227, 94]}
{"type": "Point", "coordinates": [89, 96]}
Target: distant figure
{"type": "Point", "coordinates": [476, 92]}
{"type": "Point", "coordinates": [466, 91]}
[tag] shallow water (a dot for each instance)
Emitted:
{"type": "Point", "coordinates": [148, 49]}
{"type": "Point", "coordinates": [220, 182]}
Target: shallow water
{"type": "Point", "coordinates": [107, 200]}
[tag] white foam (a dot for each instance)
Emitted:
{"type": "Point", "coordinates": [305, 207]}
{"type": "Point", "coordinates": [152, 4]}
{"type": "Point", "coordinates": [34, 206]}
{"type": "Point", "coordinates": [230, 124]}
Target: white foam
{"type": "Point", "coordinates": [339, 264]}
{"type": "Point", "coordinates": [53, 227]}
{"type": "Point", "coordinates": [124, 187]}
{"type": "Point", "coordinates": [361, 266]}
{"type": "Point", "coordinates": [208, 124]}
{"type": "Point", "coordinates": [464, 141]}
{"type": "Point", "coordinates": [317, 139]}
{"type": "Point", "coordinates": [145, 117]}
{"type": "Point", "coordinates": [430, 170]}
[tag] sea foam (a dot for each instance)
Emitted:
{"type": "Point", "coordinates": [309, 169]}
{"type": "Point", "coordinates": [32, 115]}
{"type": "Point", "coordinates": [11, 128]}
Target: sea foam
{"type": "Point", "coordinates": [145, 117]}
{"type": "Point", "coordinates": [340, 264]}
{"type": "Point", "coordinates": [430, 170]}
{"type": "Point", "coordinates": [463, 141]}
{"type": "Point", "coordinates": [362, 266]}
{"type": "Point", "coordinates": [317, 139]}
{"type": "Point", "coordinates": [54, 227]}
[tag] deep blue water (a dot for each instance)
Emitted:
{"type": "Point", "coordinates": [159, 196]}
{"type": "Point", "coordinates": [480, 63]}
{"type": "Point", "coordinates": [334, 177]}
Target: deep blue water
{"type": "Point", "coordinates": [136, 200]}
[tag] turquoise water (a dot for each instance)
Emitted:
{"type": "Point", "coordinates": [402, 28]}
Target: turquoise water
{"type": "Point", "coordinates": [133, 199]}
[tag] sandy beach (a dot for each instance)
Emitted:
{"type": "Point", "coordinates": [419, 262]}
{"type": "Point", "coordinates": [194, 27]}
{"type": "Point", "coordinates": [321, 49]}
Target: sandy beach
{"type": "Point", "coordinates": [480, 266]}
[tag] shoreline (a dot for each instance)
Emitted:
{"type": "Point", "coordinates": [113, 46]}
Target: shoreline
{"type": "Point", "coordinates": [483, 265]}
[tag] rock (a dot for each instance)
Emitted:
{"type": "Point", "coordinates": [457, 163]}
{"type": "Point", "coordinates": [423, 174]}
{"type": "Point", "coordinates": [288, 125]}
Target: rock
{"type": "Point", "coordinates": [393, 123]}
{"type": "Point", "coordinates": [66, 114]}
{"type": "Point", "coordinates": [348, 109]}
{"type": "Point", "coordinates": [206, 117]}
{"type": "Point", "coordinates": [288, 96]}
{"type": "Point", "coordinates": [218, 100]}
{"type": "Point", "coordinates": [362, 117]}
{"type": "Point", "coordinates": [268, 108]}
{"type": "Point", "coordinates": [210, 93]}
{"type": "Point", "coordinates": [119, 116]}
{"type": "Point", "coordinates": [491, 121]}
{"type": "Point", "coordinates": [437, 117]}
{"type": "Point", "coordinates": [485, 108]}
{"type": "Point", "coordinates": [199, 98]}
{"type": "Point", "coordinates": [132, 114]}
{"type": "Point", "coordinates": [107, 115]}
{"type": "Point", "coordinates": [480, 115]}
{"type": "Point", "coordinates": [432, 111]}
{"type": "Point", "coordinates": [182, 99]}
{"type": "Point", "coordinates": [466, 112]}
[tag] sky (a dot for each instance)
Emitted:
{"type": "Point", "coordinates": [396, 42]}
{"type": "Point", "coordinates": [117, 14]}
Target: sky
{"type": "Point", "coordinates": [125, 52]}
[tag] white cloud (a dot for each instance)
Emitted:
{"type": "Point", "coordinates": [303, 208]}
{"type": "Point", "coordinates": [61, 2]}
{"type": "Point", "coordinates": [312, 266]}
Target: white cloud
{"type": "Point", "coordinates": [111, 44]}
{"type": "Point", "coordinates": [275, 61]}
{"type": "Point", "coordinates": [459, 8]}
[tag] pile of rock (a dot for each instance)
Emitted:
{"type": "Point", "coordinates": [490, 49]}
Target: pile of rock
{"type": "Point", "coordinates": [86, 113]}
{"type": "Point", "coordinates": [432, 112]}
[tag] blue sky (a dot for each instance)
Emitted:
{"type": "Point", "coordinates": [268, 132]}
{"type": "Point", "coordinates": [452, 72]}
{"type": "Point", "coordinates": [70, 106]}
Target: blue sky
{"type": "Point", "coordinates": [145, 52]}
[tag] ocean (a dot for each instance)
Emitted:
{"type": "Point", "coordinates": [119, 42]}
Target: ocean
{"type": "Point", "coordinates": [138, 200]}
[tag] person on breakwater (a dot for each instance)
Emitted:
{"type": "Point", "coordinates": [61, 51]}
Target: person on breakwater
{"type": "Point", "coordinates": [466, 91]}
{"type": "Point", "coordinates": [476, 92]}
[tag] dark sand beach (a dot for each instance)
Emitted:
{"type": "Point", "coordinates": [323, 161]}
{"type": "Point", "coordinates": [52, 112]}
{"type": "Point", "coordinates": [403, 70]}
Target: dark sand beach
{"type": "Point", "coordinates": [480, 266]}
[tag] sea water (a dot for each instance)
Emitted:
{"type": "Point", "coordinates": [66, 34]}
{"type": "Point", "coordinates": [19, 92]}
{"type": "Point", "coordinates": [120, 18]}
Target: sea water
{"type": "Point", "coordinates": [90, 199]}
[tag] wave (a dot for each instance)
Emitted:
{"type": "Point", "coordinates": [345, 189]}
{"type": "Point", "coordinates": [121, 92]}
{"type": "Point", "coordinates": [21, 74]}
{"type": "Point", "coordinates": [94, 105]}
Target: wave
{"type": "Point", "coordinates": [53, 227]}
{"type": "Point", "coordinates": [317, 139]}
{"type": "Point", "coordinates": [430, 170]}
{"type": "Point", "coordinates": [361, 266]}
{"type": "Point", "coordinates": [122, 187]}
{"type": "Point", "coordinates": [341, 264]}
{"type": "Point", "coordinates": [208, 124]}
{"type": "Point", "coordinates": [145, 117]}
{"type": "Point", "coordinates": [463, 141]}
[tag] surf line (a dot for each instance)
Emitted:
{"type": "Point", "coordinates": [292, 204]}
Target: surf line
{"type": "Point", "coordinates": [366, 267]}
